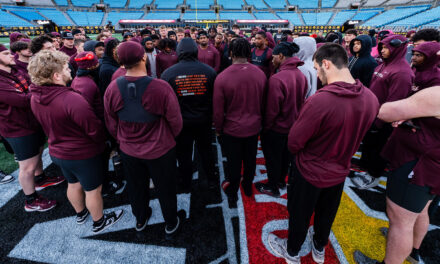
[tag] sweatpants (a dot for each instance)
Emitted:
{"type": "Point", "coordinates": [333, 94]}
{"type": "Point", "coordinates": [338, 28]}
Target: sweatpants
{"type": "Point", "coordinates": [238, 152]}
{"type": "Point", "coordinates": [304, 199]}
{"type": "Point", "coordinates": [277, 157]}
{"type": "Point", "coordinates": [201, 134]}
{"type": "Point", "coordinates": [163, 172]}
{"type": "Point", "coordinates": [372, 145]}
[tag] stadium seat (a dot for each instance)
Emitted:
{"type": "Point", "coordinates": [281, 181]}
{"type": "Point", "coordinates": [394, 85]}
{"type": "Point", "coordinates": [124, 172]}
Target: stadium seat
{"type": "Point", "coordinates": [116, 3]}
{"type": "Point", "coordinates": [305, 4]}
{"type": "Point", "coordinates": [231, 4]}
{"type": "Point", "coordinates": [318, 19]}
{"type": "Point", "coordinates": [86, 18]}
{"type": "Point", "coordinates": [139, 3]}
{"type": "Point", "coordinates": [84, 3]}
{"type": "Point", "coordinates": [397, 2]}
{"type": "Point", "coordinates": [432, 24]}
{"type": "Point", "coordinates": [61, 2]}
{"type": "Point", "coordinates": [41, 3]}
{"type": "Point", "coordinates": [199, 4]}
{"type": "Point", "coordinates": [167, 4]}
{"type": "Point", "coordinates": [55, 15]}
{"type": "Point", "coordinates": [293, 18]}
{"type": "Point", "coordinates": [341, 17]}
{"type": "Point", "coordinates": [258, 4]}
{"type": "Point", "coordinates": [328, 3]}
{"type": "Point", "coordinates": [8, 20]}
{"type": "Point", "coordinates": [419, 19]}
{"type": "Point", "coordinates": [365, 15]}
{"type": "Point", "coordinates": [236, 15]}
{"type": "Point", "coordinates": [163, 15]}
{"type": "Point", "coordinates": [199, 15]}
{"type": "Point", "coordinates": [27, 13]}
{"type": "Point", "coordinates": [276, 4]}
{"type": "Point", "coordinates": [395, 14]}
{"type": "Point", "coordinates": [374, 2]}
{"type": "Point", "coordinates": [266, 16]}
{"type": "Point", "coordinates": [114, 17]}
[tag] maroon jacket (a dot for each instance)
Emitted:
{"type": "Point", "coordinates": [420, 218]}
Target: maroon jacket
{"type": "Point", "coordinates": [145, 140]}
{"type": "Point", "coordinates": [329, 130]}
{"type": "Point", "coordinates": [118, 73]}
{"type": "Point", "coordinates": [73, 63]}
{"type": "Point", "coordinates": [404, 145]}
{"type": "Point", "coordinates": [74, 131]}
{"type": "Point", "coordinates": [16, 118]}
{"type": "Point", "coordinates": [164, 61]}
{"type": "Point", "coordinates": [87, 87]}
{"type": "Point", "coordinates": [285, 96]}
{"type": "Point", "coordinates": [210, 56]}
{"type": "Point", "coordinates": [69, 52]}
{"type": "Point", "coordinates": [22, 67]}
{"type": "Point", "coordinates": [238, 100]}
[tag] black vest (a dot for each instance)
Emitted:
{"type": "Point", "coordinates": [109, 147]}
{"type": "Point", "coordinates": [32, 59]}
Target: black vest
{"type": "Point", "coordinates": [131, 93]}
{"type": "Point", "coordinates": [260, 60]}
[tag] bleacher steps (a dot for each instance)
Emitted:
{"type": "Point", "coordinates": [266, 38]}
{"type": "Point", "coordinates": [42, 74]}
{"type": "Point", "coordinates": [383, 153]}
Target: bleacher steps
{"type": "Point", "coordinates": [127, 4]}
{"type": "Point", "coordinates": [104, 19]}
{"type": "Point", "coordinates": [68, 18]}
{"type": "Point", "coordinates": [331, 18]}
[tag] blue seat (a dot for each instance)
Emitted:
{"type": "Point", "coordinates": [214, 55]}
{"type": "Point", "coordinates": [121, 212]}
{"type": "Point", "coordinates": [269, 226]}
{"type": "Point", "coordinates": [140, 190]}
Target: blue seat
{"type": "Point", "coordinates": [116, 3]}
{"type": "Point", "coordinates": [341, 17]}
{"type": "Point", "coordinates": [328, 3]}
{"type": "Point", "coordinates": [199, 4]}
{"type": "Point", "coordinates": [266, 16]}
{"type": "Point", "coordinates": [139, 3]}
{"type": "Point", "coordinates": [84, 3]}
{"type": "Point", "coordinates": [258, 4]}
{"type": "Point", "coordinates": [114, 17]}
{"type": "Point", "coordinates": [167, 4]}
{"type": "Point", "coordinates": [86, 18]}
{"type": "Point", "coordinates": [231, 4]}
{"type": "Point", "coordinates": [420, 18]}
{"type": "Point", "coordinates": [395, 14]}
{"type": "Point", "coordinates": [199, 15]}
{"type": "Point", "coordinates": [56, 16]}
{"type": "Point", "coordinates": [293, 18]}
{"type": "Point", "coordinates": [317, 19]}
{"type": "Point", "coordinates": [236, 15]}
{"type": "Point", "coordinates": [163, 15]}
{"type": "Point", "coordinates": [7, 20]}
{"type": "Point", "coordinates": [305, 4]}
{"type": "Point", "coordinates": [276, 4]}
{"type": "Point", "coordinates": [61, 2]}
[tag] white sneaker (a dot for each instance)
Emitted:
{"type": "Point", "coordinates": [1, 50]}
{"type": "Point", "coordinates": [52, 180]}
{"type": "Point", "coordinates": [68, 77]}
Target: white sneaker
{"type": "Point", "coordinates": [364, 181]}
{"type": "Point", "coordinates": [279, 247]}
{"type": "Point", "coordinates": [318, 256]}
{"type": "Point", "coordinates": [5, 178]}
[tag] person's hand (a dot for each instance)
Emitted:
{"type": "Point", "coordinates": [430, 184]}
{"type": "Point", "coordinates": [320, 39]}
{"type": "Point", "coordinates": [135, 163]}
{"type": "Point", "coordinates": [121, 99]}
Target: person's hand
{"type": "Point", "coordinates": [397, 123]}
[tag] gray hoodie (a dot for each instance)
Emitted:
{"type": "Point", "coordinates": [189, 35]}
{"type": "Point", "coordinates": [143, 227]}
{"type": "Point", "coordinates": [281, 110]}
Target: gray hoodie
{"type": "Point", "coordinates": [307, 47]}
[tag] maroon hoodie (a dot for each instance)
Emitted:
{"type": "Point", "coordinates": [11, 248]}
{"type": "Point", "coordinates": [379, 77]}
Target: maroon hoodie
{"type": "Point", "coordinates": [285, 96]}
{"type": "Point", "coordinates": [329, 130]}
{"type": "Point", "coordinates": [210, 56]}
{"type": "Point", "coordinates": [22, 67]}
{"type": "Point", "coordinates": [74, 131]}
{"type": "Point", "coordinates": [404, 145]}
{"type": "Point", "coordinates": [145, 140]}
{"type": "Point", "coordinates": [69, 52]}
{"type": "Point", "coordinates": [87, 87]}
{"type": "Point", "coordinates": [73, 63]}
{"type": "Point", "coordinates": [118, 73]}
{"type": "Point", "coordinates": [16, 118]}
{"type": "Point", "coordinates": [393, 79]}
{"type": "Point", "coordinates": [426, 170]}
{"type": "Point", "coordinates": [238, 100]}
{"type": "Point", "coordinates": [164, 61]}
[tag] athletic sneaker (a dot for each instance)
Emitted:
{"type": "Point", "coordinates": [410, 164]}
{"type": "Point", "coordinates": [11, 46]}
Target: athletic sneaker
{"type": "Point", "coordinates": [264, 188]}
{"type": "Point", "coordinates": [279, 247]}
{"type": "Point", "coordinates": [364, 181]}
{"type": "Point", "coordinates": [48, 181]}
{"type": "Point", "coordinates": [40, 204]}
{"type": "Point", "coordinates": [170, 233]}
{"type": "Point", "coordinates": [5, 178]}
{"type": "Point", "coordinates": [141, 226]}
{"type": "Point", "coordinates": [109, 220]}
{"type": "Point", "coordinates": [318, 256]}
{"type": "Point", "coordinates": [81, 219]}
{"type": "Point", "coordinates": [114, 188]}
{"type": "Point", "coordinates": [360, 258]}
{"type": "Point", "coordinates": [414, 257]}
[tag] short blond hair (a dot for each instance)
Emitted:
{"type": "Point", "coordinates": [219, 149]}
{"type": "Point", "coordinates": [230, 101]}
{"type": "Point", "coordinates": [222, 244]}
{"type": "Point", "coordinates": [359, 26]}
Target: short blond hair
{"type": "Point", "coordinates": [44, 64]}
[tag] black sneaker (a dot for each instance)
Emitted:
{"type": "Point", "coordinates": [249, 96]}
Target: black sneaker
{"type": "Point", "coordinates": [114, 188]}
{"type": "Point", "coordinates": [414, 257]}
{"type": "Point", "coordinates": [264, 188]}
{"type": "Point", "coordinates": [109, 220]}
{"type": "Point", "coordinates": [141, 226]}
{"type": "Point", "coordinates": [81, 219]}
{"type": "Point", "coordinates": [170, 233]}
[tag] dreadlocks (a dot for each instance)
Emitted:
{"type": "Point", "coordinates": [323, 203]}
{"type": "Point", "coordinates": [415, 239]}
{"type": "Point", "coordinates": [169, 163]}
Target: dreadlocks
{"type": "Point", "coordinates": [240, 48]}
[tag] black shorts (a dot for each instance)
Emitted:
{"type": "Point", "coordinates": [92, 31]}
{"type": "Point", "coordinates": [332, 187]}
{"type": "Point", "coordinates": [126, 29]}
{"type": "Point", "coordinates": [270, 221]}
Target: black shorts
{"type": "Point", "coordinates": [89, 172]}
{"type": "Point", "coordinates": [401, 191]}
{"type": "Point", "coordinates": [28, 146]}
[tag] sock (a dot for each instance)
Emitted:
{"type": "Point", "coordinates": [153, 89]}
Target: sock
{"type": "Point", "coordinates": [31, 197]}
{"type": "Point", "coordinates": [99, 222]}
{"type": "Point", "coordinates": [317, 247]}
{"type": "Point", "coordinates": [40, 177]}
{"type": "Point", "coordinates": [82, 213]}
{"type": "Point", "coordinates": [415, 253]}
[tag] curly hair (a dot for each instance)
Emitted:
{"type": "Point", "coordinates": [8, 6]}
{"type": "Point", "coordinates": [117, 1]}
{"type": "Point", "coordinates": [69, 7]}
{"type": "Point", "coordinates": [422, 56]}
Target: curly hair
{"type": "Point", "coordinates": [240, 48]}
{"type": "Point", "coordinates": [38, 43]}
{"type": "Point", "coordinates": [44, 64]}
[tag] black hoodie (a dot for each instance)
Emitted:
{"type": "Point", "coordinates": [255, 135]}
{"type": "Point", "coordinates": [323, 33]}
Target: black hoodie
{"type": "Point", "coordinates": [362, 64]}
{"type": "Point", "coordinates": [193, 83]}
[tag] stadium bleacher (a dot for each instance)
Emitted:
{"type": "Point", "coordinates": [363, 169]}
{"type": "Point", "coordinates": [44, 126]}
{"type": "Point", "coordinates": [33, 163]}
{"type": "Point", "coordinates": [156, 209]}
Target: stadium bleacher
{"type": "Point", "coordinates": [370, 3]}
{"type": "Point", "coordinates": [116, 3]}
{"type": "Point", "coordinates": [114, 17]}
{"type": "Point", "coordinates": [328, 3]}
{"type": "Point", "coordinates": [276, 4]}
{"type": "Point", "coordinates": [28, 13]}
{"type": "Point", "coordinates": [61, 2]}
{"type": "Point", "coordinates": [231, 4]}
{"type": "Point", "coordinates": [84, 3]}
{"type": "Point", "coordinates": [199, 4]}
{"type": "Point", "coordinates": [265, 16]}
{"type": "Point", "coordinates": [342, 16]}
{"type": "Point", "coordinates": [236, 15]}
{"type": "Point", "coordinates": [199, 15]}
{"type": "Point", "coordinates": [318, 19]}
{"type": "Point", "coordinates": [8, 20]}
{"type": "Point", "coordinates": [395, 14]}
{"type": "Point", "coordinates": [167, 4]}
{"type": "Point", "coordinates": [258, 4]}
{"type": "Point", "coordinates": [419, 19]}
{"type": "Point", "coordinates": [55, 15]}
{"type": "Point", "coordinates": [163, 15]}
{"type": "Point", "coordinates": [86, 18]}
{"type": "Point", "coordinates": [305, 4]}
{"type": "Point", "coordinates": [365, 15]}
{"type": "Point", "coordinates": [293, 18]}
{"type": "Point", "coordinates": [139, 3]}
{"type": "Point", "coordinates": [397, 2]}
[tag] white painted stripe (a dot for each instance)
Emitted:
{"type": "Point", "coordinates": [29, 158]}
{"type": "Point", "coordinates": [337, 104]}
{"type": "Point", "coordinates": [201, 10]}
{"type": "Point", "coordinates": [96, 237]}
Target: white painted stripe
{"type": "Point", "coordinates": [338, 249]}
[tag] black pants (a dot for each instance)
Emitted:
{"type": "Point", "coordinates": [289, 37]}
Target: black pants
{"type": "Point", "coordinates": [277, 156]}
{"type": "Point", "coordinates": [304, 199]}
{"type": "Point", "coordinates": [201, 134]}
{"type": "Point", "coordinates": [163, 172]}
{"type": "Point", "coordinates": [240, 151]}
{"type": "Point", "coordinates": [372, 146]}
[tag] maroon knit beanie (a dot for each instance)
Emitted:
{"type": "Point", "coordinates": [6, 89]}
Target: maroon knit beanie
{"type": "Point", "coordinates": [86, 60]}
{"type": "Point", "coordinates": [130, 52]}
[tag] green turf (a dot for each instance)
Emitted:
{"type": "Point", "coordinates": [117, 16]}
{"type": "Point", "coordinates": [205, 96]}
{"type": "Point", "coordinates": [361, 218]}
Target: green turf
{"type": "Point", "coordinates": [7, 163]}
